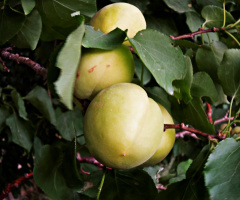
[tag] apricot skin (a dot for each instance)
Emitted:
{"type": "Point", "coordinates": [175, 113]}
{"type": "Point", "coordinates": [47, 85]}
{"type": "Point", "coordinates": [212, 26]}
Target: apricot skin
{"type": "Point", "coordinates": [99, 69]}
{"type": "Point", "coordinates": [121, 15]}
{"type": "Point", "coordinates": [167, 142]}
{"type": "Point", "coordinates": [122, 126]}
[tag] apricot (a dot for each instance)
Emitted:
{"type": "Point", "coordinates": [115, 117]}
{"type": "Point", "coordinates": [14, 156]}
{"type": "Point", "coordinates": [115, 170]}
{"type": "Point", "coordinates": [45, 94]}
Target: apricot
{"type": "Point", "coordinates": [122, 126]}
{"type": "Point", "coordinates": [99, 69]}
{"type": "Point", "coordinates": [167, 142]}
{"type": "Point", "coordinates": [119, 15]}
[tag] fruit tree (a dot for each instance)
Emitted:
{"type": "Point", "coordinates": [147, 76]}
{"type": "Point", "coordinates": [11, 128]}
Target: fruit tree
{"type": "Point", "coordinates": [120, 100]}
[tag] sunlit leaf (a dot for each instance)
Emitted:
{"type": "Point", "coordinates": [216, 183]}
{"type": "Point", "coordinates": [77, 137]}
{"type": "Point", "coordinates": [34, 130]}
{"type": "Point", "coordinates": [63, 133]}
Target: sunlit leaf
{"type": "Point", "coordinates": [67, 61]}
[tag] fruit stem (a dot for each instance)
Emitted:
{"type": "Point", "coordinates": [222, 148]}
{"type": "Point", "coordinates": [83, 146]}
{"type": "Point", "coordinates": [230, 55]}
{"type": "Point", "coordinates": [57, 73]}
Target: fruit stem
{"type": "Point", "coordinates": [101, 184]}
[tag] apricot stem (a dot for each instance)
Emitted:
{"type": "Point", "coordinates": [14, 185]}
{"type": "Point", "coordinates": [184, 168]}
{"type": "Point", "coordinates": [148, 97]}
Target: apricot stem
{"type": "Point", "coordinates": [101, 184]}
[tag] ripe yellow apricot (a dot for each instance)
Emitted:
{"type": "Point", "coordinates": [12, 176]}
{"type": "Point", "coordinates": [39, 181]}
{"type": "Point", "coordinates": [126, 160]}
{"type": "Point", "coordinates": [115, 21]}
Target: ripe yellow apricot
{"type": "Point", "coordinates": [119, 15]}
{"type": "Point", "coordinates": [167, 142]}
{"type": "Point", "coordinates": [122, 126]}
{"type": "Point", "coordinates": [99, 69]}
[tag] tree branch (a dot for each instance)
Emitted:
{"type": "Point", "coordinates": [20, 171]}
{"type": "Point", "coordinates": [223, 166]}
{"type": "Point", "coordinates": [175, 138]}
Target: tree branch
{"type": "Point", "coordinates": [15, 184]}
{"type": "Point", "coordinates": [192, 130]}
{"type": "Point", "coordinates": [225, 118]}
{"type": "Point", "coordinates": [23, 60]}
{"type": "Point", "coordinates": [191, 35]}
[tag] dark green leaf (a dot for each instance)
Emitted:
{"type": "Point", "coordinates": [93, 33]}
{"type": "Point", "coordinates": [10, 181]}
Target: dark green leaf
{"type": "Point", "coordinates": [222, 171]}
{"type": "Point", "coordinates": [143, 74]}
{"type": "Point", "coordinates": [160, 96]}
{"type": "Point", "coordinates": [191, 188]}
{"type": "Point", "coordinates": [49, 173]}
{"type": "Point", "coordinates": [22, 132]}
{"type": "Point", "coordinates": [19, 103]}
{"type": "Point", "coordinates": [214, 16]}
{"type": "Point", "coordinates": [29, 34]}
{"type": "Point", "coordinates": [192, 114]}
{"type": "Point", "coordinates": [28, 6]}
{"type": "Point", "coordinates": [186, 44]}
{"type": "Point", "coordinates": [128, 185]}
{"type": "Point", "coordinates": [183, 86]}
{"type": "Point", "coordinates": [209, 59]}
{"type": "Point", "coordinates": [209, 2]}
{"type": "Point", "coordinates": [156, 52]}
{"type": "Point", "coordinates": [166, 26]}
{"type": "Point", "coordinates": [39, 98]}
{"type": "Point", "coordinates": [4, 114]}
{"type": "Point", "coordinates": [142, 5]}
{"type": "Point", "coordinates": [67, 61]}
{"type": "Point", "coordinates": [70, 124]}
{"type": "Point", "coordinates": [97, 39]}
{"type": "Point", "coordinates": [180, 6]}
{"type": "Point", "coordinates": [229, 71]}
{"type": "Point", "coordinates": [57, 13]}
{"type": "Point", "coordinates": [10, 23]}
{"type": "Point", "coordinates": [203, 86]}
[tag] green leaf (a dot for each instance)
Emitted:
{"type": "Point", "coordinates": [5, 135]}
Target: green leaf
{"type": "Point", "coordinates": [67, 61]}
{"type": "Point", "coordinates": [22, 132]}
{"type": "Point", "coordinates": [209, 2]}
{"type": "Point", "coordinates": [209, 59]}
{"type": "Point", "coordinates": [194, 22]}
{"type": "Point", "coordinates": [19, 103]}
{"type": "Point", "coordinates": [192, 114]}
{"type": "Point", "coordinates": [180, 6]}
{"type": "Point", "coordinates": [97, 39]}
{"type": "Point", "coordinates": [10, 23]}
{"type": "Point", "coordinates": [181, 171]}
{"type": "Point", "coordinates": [160, 96]}
{"type": "Point", "coordinates": [191, 188]}
{"type": "Point", "coordinates": [29, 34]}
{"type": "Point", "coordinates": [229, 71]}
{"type": "Point", "coordinates": [39, 98]}
{"type": "Point", "coordinates": [187, 44]}
{"type": "Point", "coordinates": [4, 113]}
{"type": "Point", "coordinates": [222, 171]}
{"type": "Point", "coordinates": [183, 86]}
{"type": "Point", "coordinates": [203, 86]}
{"type": "Point", "coordinates": [49, 172]}
{"type": "Point", "coordinates": [28, 6]}
{"type": "Point", "coordinates": [214, 16]}
{"type": "Point", "coordinates": [156, 52]}
{"type": "Point", "coordinates": [128, 185]}
{"type": "Point", "coordinates": [70, 124]}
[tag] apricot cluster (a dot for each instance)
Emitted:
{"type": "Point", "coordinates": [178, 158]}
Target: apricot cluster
{"type": "Point", "coordinates": [123, 127]}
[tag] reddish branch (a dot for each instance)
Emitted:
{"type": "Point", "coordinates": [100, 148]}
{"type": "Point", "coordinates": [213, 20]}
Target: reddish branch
{"type": "Point", "coordinates": [191, 35]}
{"type": "Point", "coordinates": [15, 184]}
{"type": "Point", "coordinates": [192, 130]}
{"type": "Point", "coordinates": [209, 112]}
{"type": "Point", "coordinates": [91, 160]}
{"type": "Point", "coordinates": [5, 54]}
{"type": "Point", "coordinates": [224, 119]}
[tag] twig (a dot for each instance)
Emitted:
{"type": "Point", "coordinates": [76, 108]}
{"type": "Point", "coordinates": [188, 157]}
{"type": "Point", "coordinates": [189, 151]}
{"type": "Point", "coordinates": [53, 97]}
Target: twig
{"type": "Point", "coordinates": [15, 184]}
{"type": "Point", "coordinates": [225, 118]}
{"type": "Point", "coordinates": [209, 112]}
{"type": "Point", "coordinates": [183, 133]}
{"type": "Point", "coordinates": [24, 60]}
{"type": "Point", "coordinates": [4, 66]}
{"type": "Point", "coordinates": [197, 132]}
{"type": "Point", "coordinates": [91, 160]}
{"type": "Point", "coordinates": [191, 35]}
{"type": "Point", "coordinates": [160, 187]}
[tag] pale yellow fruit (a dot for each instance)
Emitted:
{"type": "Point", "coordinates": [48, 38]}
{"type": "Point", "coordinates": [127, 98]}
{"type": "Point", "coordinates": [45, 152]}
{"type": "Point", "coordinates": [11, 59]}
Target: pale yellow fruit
{"type": "Point", "coordinates": [119, 15]}
{"type": "Point", "coordinates": [99, 69]}
{"type": "Point", "coordinates": [236, 130]}
{"type": "Point", "coordinates": [122, 126]}
{"type": "Point", "coordinates": [167, 142]}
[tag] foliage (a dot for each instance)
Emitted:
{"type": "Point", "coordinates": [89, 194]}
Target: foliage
{"type": "Point", "coordinates": [41, 129]}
